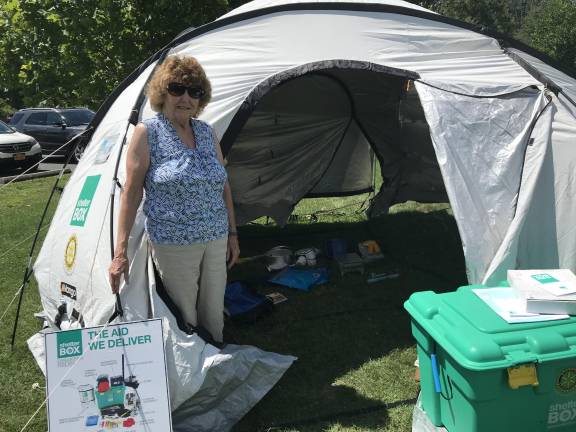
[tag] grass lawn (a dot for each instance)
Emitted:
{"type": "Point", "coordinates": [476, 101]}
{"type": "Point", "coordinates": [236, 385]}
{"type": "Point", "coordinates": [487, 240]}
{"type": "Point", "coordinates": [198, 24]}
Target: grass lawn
{"type": "Point", "coordinates": [355, 351]}
{"type": "Point", "coordinates": [21, 206]}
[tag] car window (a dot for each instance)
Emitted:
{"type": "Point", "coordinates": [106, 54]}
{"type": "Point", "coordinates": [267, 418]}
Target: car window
{"type": "Point", "coordinates": [38, 118]}
{"type": "Point", "coordinates": [5, 129]}
{"type": "Point", "coordinates": [53, 118]}
{"type": "Point", "coordinates": [16, 118]}
{"type": "Point", "coordinates": [77, 117]}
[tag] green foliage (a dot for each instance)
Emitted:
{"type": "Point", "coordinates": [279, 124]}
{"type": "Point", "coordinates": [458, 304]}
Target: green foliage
{"type": "Point", "coordinates": [546, 25]}
{"type": "Point", "coordinates": [236, 3]}
{"type": "Point", "coordinates": [494, 14]}
{"type": "Point", "coordinates": [5, 109]}
{"type": "Point", "coordinates": [75, 52]}
{"type": "Point", "coordinates": [551, 27]}
{"type": "Point", "coordinates": [22, 206]}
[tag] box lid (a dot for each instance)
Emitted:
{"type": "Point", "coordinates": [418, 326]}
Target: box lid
{"type": "Point", "coordinates": [478, 339]}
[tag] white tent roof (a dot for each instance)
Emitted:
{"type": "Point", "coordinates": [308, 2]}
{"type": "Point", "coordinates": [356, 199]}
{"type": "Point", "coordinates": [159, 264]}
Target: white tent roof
{"type": "Point", "coordinates": [564, 81]}
{"type": "Point", "coordinates": [241, 52]}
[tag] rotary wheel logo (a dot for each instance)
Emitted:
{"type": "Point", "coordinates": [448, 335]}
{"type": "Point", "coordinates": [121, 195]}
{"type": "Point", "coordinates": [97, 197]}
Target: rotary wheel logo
{"type": "Point", "coordinates": [70, 253]}
{"type": "Point", "coordinates": [566, 381]}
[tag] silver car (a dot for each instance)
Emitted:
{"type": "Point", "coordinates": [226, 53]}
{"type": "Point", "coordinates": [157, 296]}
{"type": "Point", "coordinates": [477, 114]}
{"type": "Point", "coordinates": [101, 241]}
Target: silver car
{"type": "Point", "coordinates": [17, 149]}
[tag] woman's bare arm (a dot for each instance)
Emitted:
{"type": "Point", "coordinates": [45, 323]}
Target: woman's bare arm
{"type": "Point", "coordinates": [137, 164]}
{"type": "Point", "coordinates": [233, 252]}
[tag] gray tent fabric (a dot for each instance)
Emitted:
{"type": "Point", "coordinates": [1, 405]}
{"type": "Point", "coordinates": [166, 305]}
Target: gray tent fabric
{"type": "Point", "coordinates": [300, 134]}
{"type": "Point", "coordinates": [303, 139]}
{"type": "Point", "coordinates": [496, 132]}
{"type": "Point", "coordinates": [232, 387]}
{"type": "Point", "coordinates": [554, 233]}
{"type": "Point", "coordinates": [224, 383]}
{"type": "Point", "coordinates": [406, 155]}
{"type": "Point", "coordinates": [566, 83]}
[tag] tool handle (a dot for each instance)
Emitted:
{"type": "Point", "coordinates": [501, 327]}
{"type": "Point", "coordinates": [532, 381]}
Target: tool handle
{"type": "Point", "coordinates": [435, 375]}
{"type": "Point", "coordinates": [374, 277]}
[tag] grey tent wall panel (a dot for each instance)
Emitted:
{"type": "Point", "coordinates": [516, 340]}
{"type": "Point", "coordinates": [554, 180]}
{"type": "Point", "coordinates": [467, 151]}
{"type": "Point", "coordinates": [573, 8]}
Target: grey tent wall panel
{"type": "Point", "coordinates": [274, 161]}
{"type": "Point", "coordinates": [409, 167]}
{"type": "Point", "coordinates": [286, 146]}
{"type": "Point", "coordinates": [555, 232]}
{"type": "Point", "coordinates": [285, 126]}
{"type": "Point", "coordinates": [351, 168]}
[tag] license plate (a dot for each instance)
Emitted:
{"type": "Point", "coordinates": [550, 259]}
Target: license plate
{"type": "Point", "coordinates": [19, 156]}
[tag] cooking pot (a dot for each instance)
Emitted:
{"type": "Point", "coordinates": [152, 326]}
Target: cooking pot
{"type": "Point", "coordinates": [277, 258]}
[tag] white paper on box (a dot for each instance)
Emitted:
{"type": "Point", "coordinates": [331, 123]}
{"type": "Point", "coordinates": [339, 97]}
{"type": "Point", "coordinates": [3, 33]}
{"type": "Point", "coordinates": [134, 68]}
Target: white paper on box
{"type": "Point", "coordinates": [558, 282]}
{"type": "Point", "coordinates": [506, 303]}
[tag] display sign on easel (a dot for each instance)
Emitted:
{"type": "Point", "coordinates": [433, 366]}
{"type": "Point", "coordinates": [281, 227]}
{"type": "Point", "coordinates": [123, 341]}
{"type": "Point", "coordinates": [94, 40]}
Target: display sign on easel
{"type": "Point", "coordinates": [108, 378]}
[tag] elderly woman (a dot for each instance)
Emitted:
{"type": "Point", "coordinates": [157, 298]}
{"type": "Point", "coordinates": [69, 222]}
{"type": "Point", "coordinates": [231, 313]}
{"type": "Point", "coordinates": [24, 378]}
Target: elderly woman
{"type": "Point", "coordinates": [190, 221]}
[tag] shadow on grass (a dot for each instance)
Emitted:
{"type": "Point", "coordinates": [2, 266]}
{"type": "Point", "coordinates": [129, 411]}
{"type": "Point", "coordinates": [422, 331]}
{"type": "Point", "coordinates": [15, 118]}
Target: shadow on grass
{"type": "Point", "coordinates": [352, 339]}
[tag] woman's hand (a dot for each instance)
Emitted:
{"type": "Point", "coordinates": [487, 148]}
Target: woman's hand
{"type": "Point", "coordinates": [137, 164]}
{"type": "Point", "coordinates": [233, 251]}
{"type": "Point", "coordinates": [118, 267]}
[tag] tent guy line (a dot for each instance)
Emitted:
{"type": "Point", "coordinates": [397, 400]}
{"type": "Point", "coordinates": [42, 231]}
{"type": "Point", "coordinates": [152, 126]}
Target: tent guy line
{"type": "Point", "coordinates": [23, 241]}
{"type": "Point", "coordinates": [75, 137]}
{"type": "Point", "coordinates": [10, 304]}
{"type": "Point", "coordinates": [56, 387]}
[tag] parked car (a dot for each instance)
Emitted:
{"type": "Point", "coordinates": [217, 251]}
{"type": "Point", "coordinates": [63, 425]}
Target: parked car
{"type": "Point", "coordinates": [53, 127]}
{"type": "Point", "coordinates": [17, 149]}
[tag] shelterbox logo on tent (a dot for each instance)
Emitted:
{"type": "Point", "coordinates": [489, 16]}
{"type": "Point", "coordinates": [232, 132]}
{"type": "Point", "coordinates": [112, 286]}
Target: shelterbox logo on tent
{"type": "Point", "coordinates": [84, 201]}
{"type": "Point", "coordinates": [69, 343]}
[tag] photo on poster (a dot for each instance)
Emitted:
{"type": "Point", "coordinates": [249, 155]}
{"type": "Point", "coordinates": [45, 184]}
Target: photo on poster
{"type": "Point", "coordinates": [108, 378]}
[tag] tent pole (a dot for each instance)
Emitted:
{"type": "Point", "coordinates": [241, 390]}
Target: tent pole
{"type": "Point", "coordinates": [118, 311]}
{"type": "Point", "coordinates": [134, 114]}
{"type": "Point", "coordinates": [28, 271]}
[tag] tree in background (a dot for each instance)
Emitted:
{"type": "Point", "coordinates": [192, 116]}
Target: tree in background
{"type": "Point", "coordinates": [5, 109]}
{"type": "Point", "coordinates": [504, 16]}
{"type": "Point", "coordinates": [547, 25]}
{"type": "Point", "coordinates": [75, 52]}
{"type": "Point", "coordinates": [233, 4]}
{"type": "Point", "coordinates": [493, 14]}
{"type": "Point", "coordinates": [551, 28]}
{"type": "Point", "coordinates": [9, 67]}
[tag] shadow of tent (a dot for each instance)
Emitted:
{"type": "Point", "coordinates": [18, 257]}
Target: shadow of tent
{"type": "Point", "coordinates": [352, 339]}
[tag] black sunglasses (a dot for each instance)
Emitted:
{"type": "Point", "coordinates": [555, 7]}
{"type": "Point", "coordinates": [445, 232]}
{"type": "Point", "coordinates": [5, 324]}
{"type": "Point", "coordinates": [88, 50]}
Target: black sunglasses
{"type": "Point", "coordinates": [177, 89]}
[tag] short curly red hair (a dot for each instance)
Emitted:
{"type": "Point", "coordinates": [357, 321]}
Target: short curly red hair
{"type": "Point", "coordinates": [183, 69]}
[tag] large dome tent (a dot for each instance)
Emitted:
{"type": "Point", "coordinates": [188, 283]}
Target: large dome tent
{"type": "Point", "coordinates": [306, 95]}
{"type": "Point", "coordinates": [253, 53]}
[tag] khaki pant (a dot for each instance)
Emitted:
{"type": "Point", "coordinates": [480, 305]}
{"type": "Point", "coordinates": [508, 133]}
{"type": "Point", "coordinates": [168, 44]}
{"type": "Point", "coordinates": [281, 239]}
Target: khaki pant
{"type": "Point", "coordinates": [195, 279]}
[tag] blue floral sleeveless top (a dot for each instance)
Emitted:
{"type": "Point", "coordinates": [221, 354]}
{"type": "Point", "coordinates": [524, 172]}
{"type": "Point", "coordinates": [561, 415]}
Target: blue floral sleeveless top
{"type": "Point", "coordinates": [184, 187]}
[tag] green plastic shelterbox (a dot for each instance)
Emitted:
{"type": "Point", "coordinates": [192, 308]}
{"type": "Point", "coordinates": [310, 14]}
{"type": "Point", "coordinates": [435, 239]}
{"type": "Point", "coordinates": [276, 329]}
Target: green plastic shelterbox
{"type": "Point", "coordinates": [491, 375]}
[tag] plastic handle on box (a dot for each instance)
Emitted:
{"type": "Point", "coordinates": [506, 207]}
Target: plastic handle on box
{"type": "Point", "coordinates": [435, 375]}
